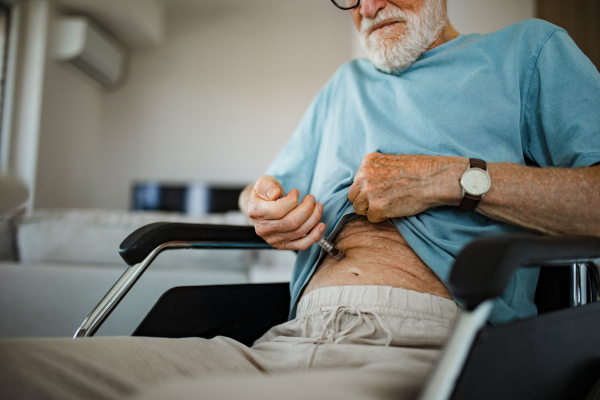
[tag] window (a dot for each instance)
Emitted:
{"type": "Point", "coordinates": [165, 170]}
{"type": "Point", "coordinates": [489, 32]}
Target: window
{"type": "Point", "coordinates": [5, 28]}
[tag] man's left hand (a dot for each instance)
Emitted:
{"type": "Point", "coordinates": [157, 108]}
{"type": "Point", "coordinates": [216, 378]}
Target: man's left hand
{"type": "Point", "coordinates": [389, 186]}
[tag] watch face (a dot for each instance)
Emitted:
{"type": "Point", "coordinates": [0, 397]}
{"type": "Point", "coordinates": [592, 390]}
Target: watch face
{"type": "Point", "coordinates": [475, 182]}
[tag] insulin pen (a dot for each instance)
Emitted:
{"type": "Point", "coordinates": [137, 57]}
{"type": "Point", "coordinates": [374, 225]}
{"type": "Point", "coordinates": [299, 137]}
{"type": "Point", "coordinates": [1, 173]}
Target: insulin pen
{"type": "Point", "coordinates": [331, 249]}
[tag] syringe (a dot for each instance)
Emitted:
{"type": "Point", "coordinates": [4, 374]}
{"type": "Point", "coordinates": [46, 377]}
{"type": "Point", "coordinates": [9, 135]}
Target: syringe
{"type": "Point", "coordinates": [331, 249]}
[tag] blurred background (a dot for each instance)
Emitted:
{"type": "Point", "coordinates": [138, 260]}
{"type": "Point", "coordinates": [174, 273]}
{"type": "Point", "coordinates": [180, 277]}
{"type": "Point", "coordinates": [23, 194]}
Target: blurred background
{"type": "Point", "coordinates": [168, 108]}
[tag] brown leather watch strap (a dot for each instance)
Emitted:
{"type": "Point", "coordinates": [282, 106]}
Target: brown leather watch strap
{"type": "Point", "coordinates": [477, 163]}
{"type": "Point", "coordinates": [469, 202]}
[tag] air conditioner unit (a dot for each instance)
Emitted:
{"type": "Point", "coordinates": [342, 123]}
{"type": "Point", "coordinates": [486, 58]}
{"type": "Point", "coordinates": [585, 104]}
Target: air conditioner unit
{"type": "Point", "coordinates": [85, 45]}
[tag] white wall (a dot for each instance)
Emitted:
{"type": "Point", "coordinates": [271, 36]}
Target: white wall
{"type": "Point", "coordinates": [221, 97]}
{"type": "Point", "coordinates": [70, 129]}
{"type": "Point", "coordinates": [484, 16]}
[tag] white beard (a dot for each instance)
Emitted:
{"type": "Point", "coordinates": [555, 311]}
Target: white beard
{"type": "Point", "coordinates": [393, 52]}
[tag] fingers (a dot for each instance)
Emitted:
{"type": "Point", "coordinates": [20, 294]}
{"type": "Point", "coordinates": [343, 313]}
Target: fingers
{"type": "Point", "coordinates": [354, 191]}
{"type": "Point", "coordinates": [268, 188]}
{"type": "Point", "coordinates": [312, 221]}
{"type": "Point", "coordinates": [260, 209]}
{"type": "Point", "coordinates": [294, 225]}
{"type": "Point", "coordinates": [280, 220]}
{"type": "Point", "coordinates": [359, 179]}
{"type": "Point", "coordinates": [304, 243]}
{"type": "Point", "coordinates": [361, 205]}
{"type": "Point", "coordinates": [375, 216]}
{"type": "Point", "coordinates": [294, 228]}
{"type": "Point", "coordinates": [301, 215]}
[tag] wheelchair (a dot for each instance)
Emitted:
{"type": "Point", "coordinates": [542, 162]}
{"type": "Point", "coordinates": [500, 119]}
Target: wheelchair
{"type": "Point", "coordinates": [555, 355]}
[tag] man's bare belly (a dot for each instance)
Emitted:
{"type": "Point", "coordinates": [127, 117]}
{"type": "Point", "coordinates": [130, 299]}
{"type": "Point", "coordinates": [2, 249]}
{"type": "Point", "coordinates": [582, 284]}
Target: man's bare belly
{"type": "Point", "coordinates": [376, 254]}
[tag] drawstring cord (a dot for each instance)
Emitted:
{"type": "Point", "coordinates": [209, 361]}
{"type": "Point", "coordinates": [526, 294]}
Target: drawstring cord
{"type": "Point", "coordinates": [331, 333]}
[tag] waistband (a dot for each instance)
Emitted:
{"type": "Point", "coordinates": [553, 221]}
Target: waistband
{"type": "Point", "coordinates": [384, 300]}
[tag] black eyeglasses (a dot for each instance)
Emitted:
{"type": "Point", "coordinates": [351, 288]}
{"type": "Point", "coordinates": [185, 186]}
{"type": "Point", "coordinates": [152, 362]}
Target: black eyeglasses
{"type": "Point", "coordinates": [346, 4]}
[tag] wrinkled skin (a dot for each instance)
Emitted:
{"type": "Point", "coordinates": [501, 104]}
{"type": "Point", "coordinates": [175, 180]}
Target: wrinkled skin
{"type": "Point", "coordinates": [280, 220]}
{"type": "Point", "coordinates": [388, 186]}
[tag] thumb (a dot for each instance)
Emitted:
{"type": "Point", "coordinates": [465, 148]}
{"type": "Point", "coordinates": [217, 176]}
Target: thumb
{"type": "Point", "coordinates": [268, 188]}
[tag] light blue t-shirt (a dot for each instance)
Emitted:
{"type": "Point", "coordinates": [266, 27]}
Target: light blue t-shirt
{"type": "Point", "coordinates": [526, 91]}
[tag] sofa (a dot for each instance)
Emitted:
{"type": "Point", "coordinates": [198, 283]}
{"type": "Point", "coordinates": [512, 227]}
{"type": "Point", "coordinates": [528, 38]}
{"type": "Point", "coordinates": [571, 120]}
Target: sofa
{"type": "Point", "coordinates": [56, 265]}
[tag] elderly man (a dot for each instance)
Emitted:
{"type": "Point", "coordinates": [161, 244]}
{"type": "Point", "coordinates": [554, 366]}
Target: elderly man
{"type": "Point", "coordinates": [400, 162]}
{"type": "Point", "coordinates": [446, 124]}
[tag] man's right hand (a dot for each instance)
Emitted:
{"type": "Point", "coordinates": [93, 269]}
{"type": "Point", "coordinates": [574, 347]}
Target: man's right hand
{"type": "Point", "coordinates": [280, 220]}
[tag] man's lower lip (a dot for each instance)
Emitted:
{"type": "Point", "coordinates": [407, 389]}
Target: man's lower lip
{"type": "Point", "coordinates": [385, 26]}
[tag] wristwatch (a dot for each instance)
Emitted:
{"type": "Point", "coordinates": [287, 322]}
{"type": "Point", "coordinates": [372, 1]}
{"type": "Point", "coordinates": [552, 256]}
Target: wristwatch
{"type": "Point", "coordinates": [475, 184]}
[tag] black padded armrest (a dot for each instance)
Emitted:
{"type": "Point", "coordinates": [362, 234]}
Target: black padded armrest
{"type": "Point", "coordinates": [137, 246]}
{"type": "Point", "coordinates": [483, 268]}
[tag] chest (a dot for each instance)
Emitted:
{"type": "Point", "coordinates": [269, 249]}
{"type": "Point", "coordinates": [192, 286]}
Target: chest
{"type": "Point", "coordinates": [473, 114]}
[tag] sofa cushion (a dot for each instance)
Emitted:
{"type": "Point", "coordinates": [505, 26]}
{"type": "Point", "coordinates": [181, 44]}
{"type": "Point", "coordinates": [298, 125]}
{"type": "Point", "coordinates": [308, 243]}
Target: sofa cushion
{"type": "Point", "coordinates": [94, 236]}
{"type": "Point", "coordinates": [50, 299]}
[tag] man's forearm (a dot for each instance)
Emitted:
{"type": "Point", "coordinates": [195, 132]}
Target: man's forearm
{"type": "Point", "coordinates": [552, 201]}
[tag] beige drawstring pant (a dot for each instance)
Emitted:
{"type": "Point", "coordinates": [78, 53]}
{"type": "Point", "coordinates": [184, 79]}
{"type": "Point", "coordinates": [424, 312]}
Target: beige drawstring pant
{"type": "Point", "coordinates": [347, 342]}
